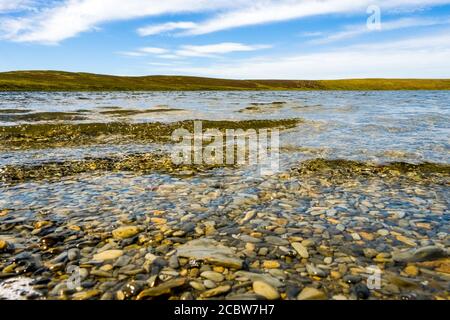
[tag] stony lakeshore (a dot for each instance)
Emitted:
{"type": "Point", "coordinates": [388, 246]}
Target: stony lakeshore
{"type": "Point", "coordinates": [134, 226]}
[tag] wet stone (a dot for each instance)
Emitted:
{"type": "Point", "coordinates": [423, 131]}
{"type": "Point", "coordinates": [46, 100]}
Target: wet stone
{"type": "Point", "coordinates": [265, 290]}
{"type": "Point", "coordinates": [210, 251]}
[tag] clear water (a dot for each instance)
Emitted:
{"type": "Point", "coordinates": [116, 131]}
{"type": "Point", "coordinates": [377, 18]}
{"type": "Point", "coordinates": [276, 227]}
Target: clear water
{"type": "Point", "coordinates": [411, 126]}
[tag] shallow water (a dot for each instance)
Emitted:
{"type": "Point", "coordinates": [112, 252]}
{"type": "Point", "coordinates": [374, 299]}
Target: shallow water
{"type": "Point", "coordinates": [348, 218]}
{"type": "Point", "coordinates": [412, 126]}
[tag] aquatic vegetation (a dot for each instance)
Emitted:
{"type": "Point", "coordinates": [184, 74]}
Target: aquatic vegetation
{"type": "Point", "coordinates": [62, 135]}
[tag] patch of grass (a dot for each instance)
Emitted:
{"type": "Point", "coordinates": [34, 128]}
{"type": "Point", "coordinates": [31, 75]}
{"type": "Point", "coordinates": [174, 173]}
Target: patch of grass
{"type": "Point", "coordinates": [67, 81]}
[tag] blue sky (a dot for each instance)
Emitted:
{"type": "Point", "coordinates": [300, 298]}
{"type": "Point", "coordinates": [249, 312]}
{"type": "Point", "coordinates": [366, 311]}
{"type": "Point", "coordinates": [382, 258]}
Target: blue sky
{"type": "Point", "coordinates": [242, 39]}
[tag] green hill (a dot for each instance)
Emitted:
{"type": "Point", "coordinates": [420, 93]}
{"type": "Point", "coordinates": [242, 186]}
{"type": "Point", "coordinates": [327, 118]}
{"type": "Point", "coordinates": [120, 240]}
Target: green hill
{"type": "Point", "coordinates": [67, 81]}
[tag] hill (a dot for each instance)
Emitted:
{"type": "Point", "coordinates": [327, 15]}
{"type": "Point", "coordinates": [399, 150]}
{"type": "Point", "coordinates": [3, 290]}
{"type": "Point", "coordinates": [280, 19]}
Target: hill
{"type": "Point", "coordinates": [68, 81]}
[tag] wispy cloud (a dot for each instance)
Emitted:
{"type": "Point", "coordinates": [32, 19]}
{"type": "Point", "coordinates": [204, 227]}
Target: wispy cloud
{"type": "Point", "coordinates": [418, 57]}
{"type": "Point", "coordinates": [210, 50]}
{"type": "Point", "coordinates": [220, 48]}
{"type": "Point", "coordinates": [14, 5]}
{"type": "Point", "coordinates": [141, 52]}
{"type": "Point", "coordinates": [352, 31]}
{"type": "Point", "coordinates": [165, 27]}
{"type": "Point", "coordinates": [60, 20]}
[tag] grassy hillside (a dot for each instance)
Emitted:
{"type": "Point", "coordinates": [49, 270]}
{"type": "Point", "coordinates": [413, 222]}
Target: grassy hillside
{"type": "Point", "coordinates": [66, 81]}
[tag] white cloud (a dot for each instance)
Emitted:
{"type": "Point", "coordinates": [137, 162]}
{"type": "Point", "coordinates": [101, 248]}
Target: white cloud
{"type": "Point", "coordinates": [71, 17]}
{"type": "Point", "coordinates": [262, 12]}
{"type": "Point", "coordinates": [214, 49]}
{"type": "Point", "coordinates": [144, 52]}
{"type": "Point", "coordinates": [210, 50]}
{"type": "Point", "coordinates": [424, 57]}
{"type": "Point", "coordinates": [153, 50]}
{"type": "Point", "coordinates": [55, 21]}
{"type": "Point", "coordinates": [165, 27]}
{"type": "Point", "coordinates": [14, 5]}
{"type": "Point", "coordinates": [357, 30]}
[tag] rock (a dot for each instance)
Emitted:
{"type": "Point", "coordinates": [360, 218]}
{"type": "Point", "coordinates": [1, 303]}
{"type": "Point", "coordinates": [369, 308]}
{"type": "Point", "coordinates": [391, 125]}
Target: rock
{"type": "Point", "coordinates": [361, 291]}
{"type": "Point", "coordinates": [164, 288]}
{"type": "Point", "coordinates": [173, 262]}
{"type": "Point", "coordinates": [314, 271]}
{"type": "Point", "coordinates": [265, 290]}
{"type": "Point", "coordinates": [209, 284]}
{"type": "Point", "coordinates": [277, 241]}
{"type": "Point", "coordinates": [197, 285]}
{"type": "Point", "coordinates": [301, 250]}
{"type": "Point", "coordinates": [125, 232]}
{"type": "Point", "coordinates": [247, 238]}
{"type": "Point", "coordinates": [263, 277]}
{"type": "Point", "coordinates": [428, 253]}
{"type": "Point", "coordinates": [271, 264]}
{"type": "Point", "coordinates": [73, 254]}
{"type": "Point", "coordinates": [86, 295]}
{"type": "Point", "coordinates": [349, 278]}
{"type": "Point", "coordinates": [411, 270]}
{"type": "Point", "coordinates": [402, 282]}
{"type": "Point", "coordinates": [42, 224]}
{"type": "Point", "coordinates": [216, 291]}
{"type": "Point", "coordinates": [406, 240]}
{"type": "Point", "coordinates": [356, 236]}
{"type": "Point", "coordinates": [383, 232]}
{"type": "Point", "coordinates": [309, 293]}
{"type": "Point", "coordinates": [108, 255]}
{"type": "Point", "coordinates": [370, 253]}
{"type": "Point", "coordinates": [367, 236]}
{"type": "Point", "coordinates": [3, 245]}
{"type": "Point", "coordinates": [328, 260]}
{"type": "Point", "coordinates": [248, 216]}
{"type": "Point", "coordinates": [210, 251]}
{"type": "Point", "coordinates": [213, 276]}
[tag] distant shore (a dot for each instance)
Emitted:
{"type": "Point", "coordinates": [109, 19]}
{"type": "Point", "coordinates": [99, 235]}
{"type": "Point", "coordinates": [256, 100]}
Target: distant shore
{"type": "Point", "coordinates": [67, 81]}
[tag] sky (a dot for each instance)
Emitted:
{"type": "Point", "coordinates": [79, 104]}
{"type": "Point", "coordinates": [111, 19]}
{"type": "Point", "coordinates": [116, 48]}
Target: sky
{"type": "Point", "coordinates": [238, 39]}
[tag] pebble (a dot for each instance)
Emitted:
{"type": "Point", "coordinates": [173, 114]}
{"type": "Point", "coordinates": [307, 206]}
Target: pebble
{"type": "Point", "coordinates": [215, 292]}
{"type": "Point", "coordinates": [164, 288]}
{"type": "Point", "coordinates": [214, 276]}
{"type": "Point", "coordinates": [421, 254]}
{"type": "Point", "coordinates": [209, 284]}
{"type": "Point", "coordinates": [265, 290]}
{"type": "Point", "coordinates": [86, 295]}
{"type": "Point", "coordinates": [211, 251]}
{"type": "Point", "coordinates": [411, 270]}
{"type": "Point", "coordinates": [73, 254]}
{"type": "Point", "coordinates": [356, 236]}
{"type": "Point", "coordinates": [263, 277]}
{"type": "Point", "coordinates": [197, 286]}
{"type": "Point", "coordinates": [310, 293]}
{"type": "Point", "coordinates": [3, 245]}
{"type": "Point", "coordinates": [271, 264]}
{"type": "Point", "coordinates": [125, 232]}
{"type": "Point", "coordinates": [108, 255]}
{"type": "Point", "coordinates": [301, 250]}
{"type": "Point", "coordinates": [361, 291]}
